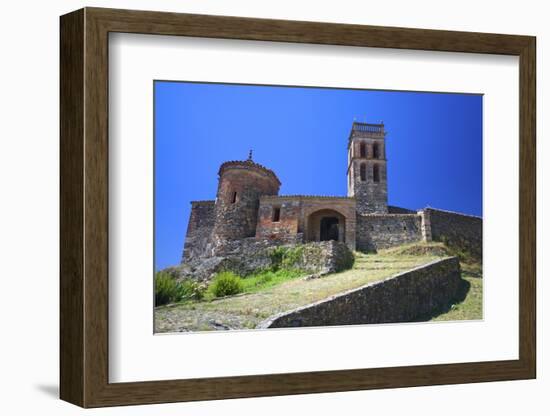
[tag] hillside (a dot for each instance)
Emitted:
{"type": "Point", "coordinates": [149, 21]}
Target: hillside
{"type": "Point", "coordinates": [246, 311]}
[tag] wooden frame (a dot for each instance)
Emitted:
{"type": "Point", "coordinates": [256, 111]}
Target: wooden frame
{"type": "Point", "coordinates": [84, 207]}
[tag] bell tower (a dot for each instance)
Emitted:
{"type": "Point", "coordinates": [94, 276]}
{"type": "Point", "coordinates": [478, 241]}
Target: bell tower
{"type": "Point", "coordinates": [367, 180]}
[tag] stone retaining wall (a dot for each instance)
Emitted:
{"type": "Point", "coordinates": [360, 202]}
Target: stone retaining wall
{"type": "Point", "coordinates": [459, 231]}
{"type": "Point", "coordinates": [400, 298]}
{"type": "Point", "coordinates": [250, 255]}
{"type": "Point", "coordinates": [376, 232]}
{"type": "Point", "coordinates": [323, 257]}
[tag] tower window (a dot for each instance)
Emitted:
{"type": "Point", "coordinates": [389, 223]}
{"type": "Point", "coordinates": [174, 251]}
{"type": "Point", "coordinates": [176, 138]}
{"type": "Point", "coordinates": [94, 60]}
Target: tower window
{"type": "Point", "coordinates": [376, 173]}
{"type": "Point", "coordinates": [276, 214]}
{"type": "Point", "coordinates": [375, 151]}
{"type": "Point", "coordinates": [362, 150]}
{"type": "Point", "coordinates": [363, 172]}
{"type": "Point", "coordinates": [234, 197]}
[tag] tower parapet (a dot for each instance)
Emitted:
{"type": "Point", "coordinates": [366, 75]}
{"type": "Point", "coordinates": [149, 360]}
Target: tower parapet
{"type": "Point", "coordinates": [367, 173]}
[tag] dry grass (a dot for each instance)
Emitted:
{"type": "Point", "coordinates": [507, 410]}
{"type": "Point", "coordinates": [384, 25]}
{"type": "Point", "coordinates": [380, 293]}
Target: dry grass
{"type": "Point", "coordinates": [471, 307]}
{"type": "Point", "coordinates": [248, 310]}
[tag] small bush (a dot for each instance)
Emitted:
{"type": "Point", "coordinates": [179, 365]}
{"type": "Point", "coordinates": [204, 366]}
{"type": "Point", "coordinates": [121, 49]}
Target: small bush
{"type": "Point", "coordinates": [265, 278]}
{"type": "Point", "coordinates": [190, 289]}
{"type": "Point", "coordinates": [226, 284]}
{"type": "Point", "coordinates": [268, 278]}
{"type": "Point", "coordinates": [293, 257]}
{"type": "Point", "coordinates": [286, 257]}
{"type": "Point", "coordinates": [166, 289]}
{"type": "Point", "coordinates": [277, 256]}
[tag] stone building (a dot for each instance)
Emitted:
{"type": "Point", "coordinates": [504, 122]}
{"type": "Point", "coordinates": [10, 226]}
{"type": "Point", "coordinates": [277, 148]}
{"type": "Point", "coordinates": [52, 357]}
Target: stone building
{"type": "Point", "coordinates": [248, 208]}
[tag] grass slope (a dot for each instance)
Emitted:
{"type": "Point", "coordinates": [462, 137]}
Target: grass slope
{"type": "Point", "coordinates": [472, 306]}
{"type": "Point", "coordinates": [283, 293]}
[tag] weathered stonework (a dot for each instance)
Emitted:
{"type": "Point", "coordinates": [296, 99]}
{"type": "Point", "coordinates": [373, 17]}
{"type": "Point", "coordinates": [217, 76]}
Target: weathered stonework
{"type": "Point", "coordinates": [324, 257]}
{"type": "Point", "coordinates": [250, 255]}
{"type": "Point", "coordinates": [399, 210]}
{"type": "Point", "coordinates": [240, 187]}
{"type": "Point", "coordinates": [249, 212]}
{"type": "Point", "coordinates": [303, 214]}
{"type": "Point", "coordinates": [376, 231]}
{"type": "Point", "coordinates": [460, 231]}
{"type": "Point", "coordinates": [199, 229]}
{"type": "Point", "coordinates": [367, 173]}
{"type": "Point", "coordinates": [401, 298]}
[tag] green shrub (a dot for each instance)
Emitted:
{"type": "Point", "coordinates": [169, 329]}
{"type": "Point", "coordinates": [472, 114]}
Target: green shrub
{"type": "Point", "coordinates": [166, 289]}
{"type": "Point", "coordinates": [226, 284]}
{"type": "Point", "coordinates": [293, 257]}
{"type": "Point", "coordinates": [190, 289]}
{"type": "Point", "coordinates": [286, 257]}
{"type": "Point", "coordinates": [276, 256]}
{"type": "Point", "coordinates": [268, 278]}
{"type": "Point", "coordinates": [265, 277]}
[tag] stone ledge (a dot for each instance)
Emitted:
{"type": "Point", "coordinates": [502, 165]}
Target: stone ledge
{"type": "Point", "coordinates": [451, 212]}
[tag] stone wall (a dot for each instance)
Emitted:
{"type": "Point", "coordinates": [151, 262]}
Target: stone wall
{"type": "Point", "coordinates": [302, 214]}
{"type": "Point", "coordinates": [375, 231]}
{"type": "Point", "coordinates": [323, 257]}
{"type": "Point", "coordinates": [250, 255]}
{"type": "Point", "coordinates": [201, 222]}
{"type": "Point", "coordinates": [371, 196]}
{"type": "Point", "coordinates": [401, 298]}
{"type": "Point", "coordinates": [458, 231]}
{"type": "Point", "coordinates": [240, 186]}
{"type": "Point", "coordinates": [290, 210]}
{"type": "Point", "coordinates": [400, 210]}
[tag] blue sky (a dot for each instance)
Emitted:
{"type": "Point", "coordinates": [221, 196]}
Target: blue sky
{"type": "Point", "coordinates": [433, 146]}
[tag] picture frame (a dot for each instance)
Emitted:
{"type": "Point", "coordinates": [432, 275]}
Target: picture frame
{"type": "Point", "coordinates": [84, 215]}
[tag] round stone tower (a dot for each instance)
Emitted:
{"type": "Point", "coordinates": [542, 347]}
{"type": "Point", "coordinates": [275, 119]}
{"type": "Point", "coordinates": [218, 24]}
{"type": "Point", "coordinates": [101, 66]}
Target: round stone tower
{"type": "Point", "coordinates": [240, 185]}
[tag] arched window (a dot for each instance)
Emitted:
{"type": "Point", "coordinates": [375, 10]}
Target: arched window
{"type": "Point", "coordinates": [375, 151]}
{"type": "Point", "coordinates": [376, 173]}
{"type": "Point", "coordinates": [363, 172]}
{"type": "Point", "coordinates": [234, 197]}
{"type": "Point", "coordinates": [362, 150]}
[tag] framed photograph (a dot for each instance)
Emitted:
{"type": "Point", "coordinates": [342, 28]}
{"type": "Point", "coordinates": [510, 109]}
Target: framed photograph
{"type": "Point", "coordinates": [254, 207]}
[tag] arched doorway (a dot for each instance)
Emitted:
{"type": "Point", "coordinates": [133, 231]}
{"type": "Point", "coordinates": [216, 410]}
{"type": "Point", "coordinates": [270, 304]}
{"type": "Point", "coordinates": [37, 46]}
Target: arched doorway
{"type": "Point", "coordinates": [326, 225]}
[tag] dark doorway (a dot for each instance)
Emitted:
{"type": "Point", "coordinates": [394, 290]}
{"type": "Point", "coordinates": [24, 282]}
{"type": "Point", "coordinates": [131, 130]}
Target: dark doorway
{"type": "Point", "coordinates": [329, 228]}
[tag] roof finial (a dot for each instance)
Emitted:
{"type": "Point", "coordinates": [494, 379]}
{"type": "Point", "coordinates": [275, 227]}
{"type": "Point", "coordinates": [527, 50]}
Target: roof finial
{"type": "Point", "coordinates": [250, 155]}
